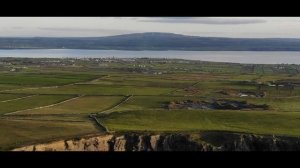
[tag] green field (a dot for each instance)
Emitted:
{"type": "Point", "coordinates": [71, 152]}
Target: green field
{"type": "Point", "coordinates": [194, 120]}
{"type": "Point", "coordinates": [8, 97]}
{"type": "Point", "coordinates": [82, 105]}
{"type": "Point", "coordinates": [9, 87]}
{"type": "Point", "coordinates": [43, 79]}
{"type": "Point", "coordinates": [19, 132]}
{"type": "Point", "coordinates": [55, 101]}
{"type": "Point", "coordinates": [92, 89]}
{"type": "Point", "coordinates": [32, 102]}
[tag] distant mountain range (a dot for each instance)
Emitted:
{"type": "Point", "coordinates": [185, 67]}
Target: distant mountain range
{"type": "Point", "coordinates": [153, 41]}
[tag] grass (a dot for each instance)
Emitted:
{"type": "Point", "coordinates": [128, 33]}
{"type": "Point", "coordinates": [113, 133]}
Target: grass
{"type": "Point", "coordinates": [258, 122]}
{"type": "Point", "coordinates": [15, 133]}
{"type": "Point", "coordinates": [150, 102]}
{"type": "Point", "coordinates": [8, 87]}
{"type": "Point", "coordinates": [279, 104]}
{"type": "Point", "coordinates": [159, 102]}
{"type": "Point", "coordinates": [82, 105]}
{"type": "Point", "coordinates": [105, 84]}
{"type": "Point", "coordinates": [32, 102]}
{"type": "Point", "coordinates": [141, 81]}
{"type": "Point", "coordinates": [91, 89]}
{"type": "Point", "coordinates": [44, 79]}
{"type": "Point", "coordinates": [5, 97]}
{"type": "Point", "coordinates": [50, 117]}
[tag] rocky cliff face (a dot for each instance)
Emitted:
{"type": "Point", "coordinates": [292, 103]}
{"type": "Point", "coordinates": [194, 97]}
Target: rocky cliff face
{"type": "Point", "coordinates": [172, 142]}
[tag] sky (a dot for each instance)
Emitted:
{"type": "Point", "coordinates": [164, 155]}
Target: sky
{"type": "Point", "coordinates": [236, 27]}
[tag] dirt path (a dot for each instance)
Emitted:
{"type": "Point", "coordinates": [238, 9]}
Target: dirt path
{"type": "Point", "coordinates": [4, 101]}
{"type": "Point", "coordinates": [117, 105]}
{"type": "Point", "coordinates": [49, 87]}
{"type": "Point", "coordinates": [32, 88]}
{"type": "Point", "coordinates": [33, 119]}
{"type": "Point", "coordinates": [173, 91]}
{"type": "Point", "coordinates": [95, 80]}
{"type": "Point", "coordinates": [51, 105]}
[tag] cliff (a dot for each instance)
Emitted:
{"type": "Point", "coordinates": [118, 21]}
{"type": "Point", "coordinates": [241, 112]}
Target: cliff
{"type": "Point", "coordinates": [210, 141]}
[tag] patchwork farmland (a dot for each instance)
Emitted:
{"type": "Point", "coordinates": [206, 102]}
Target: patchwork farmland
{"type": "Point", "coordinates": [44, 103]}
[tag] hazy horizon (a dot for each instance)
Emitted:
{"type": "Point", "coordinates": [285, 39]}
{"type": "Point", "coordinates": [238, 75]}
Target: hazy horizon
{"type": "Point", "coordinates": [145, 32]}
{"type": "Point", "coordinates": [231, 27]}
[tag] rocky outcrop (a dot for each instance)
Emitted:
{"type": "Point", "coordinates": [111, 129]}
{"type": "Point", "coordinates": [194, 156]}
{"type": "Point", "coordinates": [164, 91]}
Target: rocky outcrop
{"type": "Point", "coordinates": [218, 104]}
{"type": "Point", "coordinates": [263, 143]}
{"type": "Point", "coordinates": [210, 141]}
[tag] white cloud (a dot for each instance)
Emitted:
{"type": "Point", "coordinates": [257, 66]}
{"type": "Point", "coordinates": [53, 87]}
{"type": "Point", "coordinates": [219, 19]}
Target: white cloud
{"type": "Point", "coordinates": [257, 27]}
{"type": "Point", "coordinates": [205, 20]}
